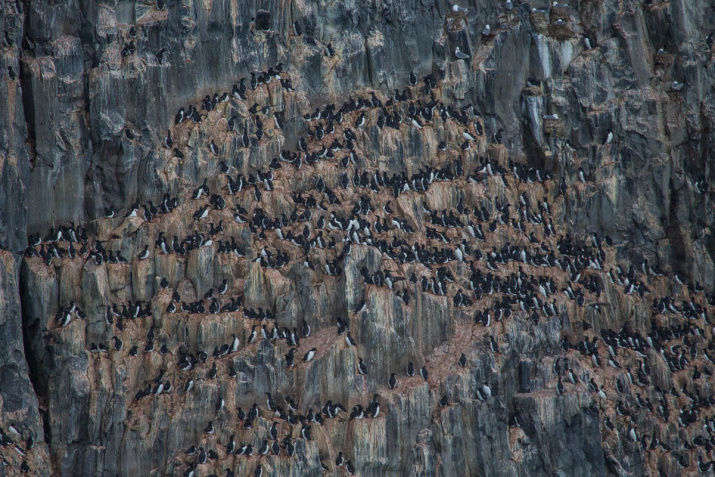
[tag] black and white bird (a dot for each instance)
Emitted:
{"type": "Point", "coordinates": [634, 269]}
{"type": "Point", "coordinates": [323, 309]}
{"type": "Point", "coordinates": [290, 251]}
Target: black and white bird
{"type": "Point", "coordinates": [168, 142]}
{"type": "Point", "coordinates": [349, 340]}
{"type": "Point", "coordinates": [362, 367]}
{"type": "Point", "coordinates": [581, 175]}
{"type": "Point", "coordinates": [117, 343]}
{"type": "Point", "coordinates": [253, 336]}
{"type": "Point", "coordinates": [413, 78]}
{"type": "Point", "coordinates": [392, 381]}
{"type": "Point", "coordinates": [210, 429]}
{"type": "Point", "coordinates": [235, 344]}
{"type": "Point", "coordinates": [213, 148]}
{"type": "Point", "coordinates": [223, 288]}
{"type": "Point", "coordinates": [310, 355]}
{"type": "Point", "coordinates": [202, 213]}
{"type": "Point", "coordinates": [144, 254]}
{"type": "Point", "coordinates": [632, 434]}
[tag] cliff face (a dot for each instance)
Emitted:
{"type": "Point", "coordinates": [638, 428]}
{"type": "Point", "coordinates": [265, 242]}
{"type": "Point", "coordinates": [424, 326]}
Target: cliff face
{"type": "Point", "coordinates": [591, 120]}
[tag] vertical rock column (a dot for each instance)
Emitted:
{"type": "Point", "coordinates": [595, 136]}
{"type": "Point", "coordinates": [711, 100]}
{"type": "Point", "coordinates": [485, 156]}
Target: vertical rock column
{"type": "Point", "coordinates": [18, 403]}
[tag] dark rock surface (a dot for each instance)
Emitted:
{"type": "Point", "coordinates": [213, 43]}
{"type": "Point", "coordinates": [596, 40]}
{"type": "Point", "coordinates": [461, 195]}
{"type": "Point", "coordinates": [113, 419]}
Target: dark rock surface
{"type": "Point", "coordinates": [88, 91]}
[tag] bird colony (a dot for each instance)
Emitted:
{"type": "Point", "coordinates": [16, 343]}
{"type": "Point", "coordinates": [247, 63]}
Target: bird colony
{"type": "Point", "coordinates": [290, 304]}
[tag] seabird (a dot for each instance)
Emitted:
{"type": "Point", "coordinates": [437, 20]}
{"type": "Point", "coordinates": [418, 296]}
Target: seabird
{"type": "Point", "coordinates": [410, 369]}
{"type": "Point", "coordinates": [254, 335]}
{"type": "Point", "coordinates": [424, 373]}
{"type": "Point", "coordinates": [117, 343]}
{"type": "Point", "coordinates": [234, 344]}
{"type": "Point", "coordinates": [458, 53]}
{"type": "Point", "coordinates": [134, 210]}
{"type": "Point", "coordinates": [349, 340]}
{"type": "Point", "coordinates": [677, 86]}
{"type": "Point", "coordinates": [210, 429]}
{"type": "Point", "coordinates": [486, 30]}
{"type": "Point", "coordinates": [202, 213]}
{"type": "Point", "coordinates": [144, 254]}
{"type": "Point", "coordinates": [392, 381]}
{"type": "Point", "coordinates": [457, 9]}
{"type": "Point", "coordinates": [362, 368]}
{"type": "Point", "coordinates": [213, 148]}
{"type": "Point", "coordinates": [493, 344]}
{"type": "Point", "coordinates": [168, 142]}
{"type": "Point", "coordinates": [581, 175]}
{"type": "Point", "coordinates": [223, 288]}
{"type": "Point", "coordinates": [309, 355]}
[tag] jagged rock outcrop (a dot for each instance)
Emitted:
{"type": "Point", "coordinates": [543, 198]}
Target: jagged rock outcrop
{"type": "Point", "coordinates": [622, 120]}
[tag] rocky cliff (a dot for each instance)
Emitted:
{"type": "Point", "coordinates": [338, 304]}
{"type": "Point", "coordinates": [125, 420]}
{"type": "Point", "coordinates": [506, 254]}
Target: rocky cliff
{"type": "Point", "coordinates": [370, 238]}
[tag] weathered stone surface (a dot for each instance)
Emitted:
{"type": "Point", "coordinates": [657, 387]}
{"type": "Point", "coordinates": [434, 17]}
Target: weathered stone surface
{"type": "Point", "coordinates": [18, 402]}
{"type": "Point", "coordinates": [82, 125]}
